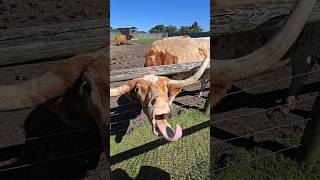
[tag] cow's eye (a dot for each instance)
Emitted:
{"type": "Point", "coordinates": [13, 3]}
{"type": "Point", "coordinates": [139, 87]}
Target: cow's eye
{"type": "Point", "coordinates": [153, 101]}
{"type": "Point", "coordinates": [136, 88]}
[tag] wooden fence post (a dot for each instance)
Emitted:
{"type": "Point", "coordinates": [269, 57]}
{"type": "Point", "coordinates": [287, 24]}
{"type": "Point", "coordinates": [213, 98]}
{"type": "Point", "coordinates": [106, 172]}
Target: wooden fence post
{"type": "Point", "coordinates": [309, 151]}
{"type": "Point", "coordinates": [206, 108]}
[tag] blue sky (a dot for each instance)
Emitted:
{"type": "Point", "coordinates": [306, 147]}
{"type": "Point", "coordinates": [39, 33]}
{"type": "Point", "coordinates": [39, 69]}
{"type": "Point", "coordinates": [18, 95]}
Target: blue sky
{"type": "Point", "coordinates": [145, 14]}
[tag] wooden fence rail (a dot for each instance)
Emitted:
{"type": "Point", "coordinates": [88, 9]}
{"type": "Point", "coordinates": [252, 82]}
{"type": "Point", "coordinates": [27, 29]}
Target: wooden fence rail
{"type": "Point", "coordinates": [52, 41]}
{"type": "Point", "coordinates": [248, 14]}
{"type": "Point", "coordinates": [127, 74]}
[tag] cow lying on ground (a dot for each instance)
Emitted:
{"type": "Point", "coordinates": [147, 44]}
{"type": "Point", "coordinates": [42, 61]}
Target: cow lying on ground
{"type": "Point", "coordinates": [179, 50]}
{"type": "Point", "coordinates": [156, 94]}
{"type": "Point", "coordinates": [266, 58]}
{"type": "Point", "coordinates": [120, 39]}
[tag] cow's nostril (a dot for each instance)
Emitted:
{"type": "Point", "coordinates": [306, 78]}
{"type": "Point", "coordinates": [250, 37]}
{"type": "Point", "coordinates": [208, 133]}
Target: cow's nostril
{"type": "Point", "coordinates": [153, 101]}
{"type": "Point", "coordinates": [162, 116]}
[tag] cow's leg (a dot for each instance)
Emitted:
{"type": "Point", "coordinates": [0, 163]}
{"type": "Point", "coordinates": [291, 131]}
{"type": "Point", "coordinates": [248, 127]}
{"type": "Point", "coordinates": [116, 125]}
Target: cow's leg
{"type": "Point", "coordinates": [207, 106]}
{"type": "Point", "coordinates": [203, 84]}
{"type": "Point", "coordinates": [299, 73]}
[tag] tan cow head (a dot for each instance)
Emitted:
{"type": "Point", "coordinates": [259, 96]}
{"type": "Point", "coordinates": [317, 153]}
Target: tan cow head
{"type": "Point", "coordinates": [156, 94]}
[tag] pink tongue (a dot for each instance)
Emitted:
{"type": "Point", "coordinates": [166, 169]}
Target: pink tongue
{"type": "Point", "coordinates": [167, 131]}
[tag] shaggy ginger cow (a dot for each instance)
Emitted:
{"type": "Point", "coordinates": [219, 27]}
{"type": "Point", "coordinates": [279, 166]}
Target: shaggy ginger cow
{"type": "Point", "coordinates": [120, 39]}
{"type": "Point", "coordinates": [179, 50]}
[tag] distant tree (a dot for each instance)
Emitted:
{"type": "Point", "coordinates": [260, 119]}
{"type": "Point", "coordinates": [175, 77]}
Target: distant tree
{"type": "Point", "coordinates": [170, 28]}
{"type": "Point", "coordinates": [184, 29]}
{"type": "Point", "coordinates": [158, 29]}
{"type": "Point", "coordinates": [162, 28]}
{"type": "Point", "coordinates": [195, 28]}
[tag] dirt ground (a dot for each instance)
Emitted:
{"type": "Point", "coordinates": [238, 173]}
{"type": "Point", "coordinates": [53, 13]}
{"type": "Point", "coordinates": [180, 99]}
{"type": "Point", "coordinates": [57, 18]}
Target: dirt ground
{"type": "Point", "coordinates": [20, 13]}
{"type": "Point", "coordinates": [128, 56]}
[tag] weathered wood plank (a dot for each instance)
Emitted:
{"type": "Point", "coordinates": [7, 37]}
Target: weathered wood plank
{"type": "Point", "coordinates": [52, 41]}
{"type": "Point", "coordinates": [248, 15]}
{"type": "Point", "coordinates": [127, 74]}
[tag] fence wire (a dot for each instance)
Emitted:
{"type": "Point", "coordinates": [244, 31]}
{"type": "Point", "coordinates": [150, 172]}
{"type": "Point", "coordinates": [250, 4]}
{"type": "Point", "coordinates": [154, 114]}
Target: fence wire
{"type": "Point", "coordinates": [262, 111]}
{"type": "Point", "coordinates": [263, 131]}
{"type": "Point", "coordinates": [259, 158]}
{"type": "Point", "coordinates": [51, 159]}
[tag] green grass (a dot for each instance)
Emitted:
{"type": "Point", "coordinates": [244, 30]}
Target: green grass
{"type": "Point", "coordinates": [144, 40]}
{"type": "Point", "coordinates": [187, 158]}
{"type": "Point", "coordinates": [277, 166]}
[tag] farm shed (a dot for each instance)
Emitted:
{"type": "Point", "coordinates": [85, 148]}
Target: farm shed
{"type": "Point", "coordinates": [36, 36]}
{"type": "Point", "coordinates": [246, 128]}
{"type": "Point", "coordinates": [127, 31]}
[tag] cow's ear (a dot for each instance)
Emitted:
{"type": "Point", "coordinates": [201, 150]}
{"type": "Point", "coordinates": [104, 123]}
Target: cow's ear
{"type": "Point", "coordinates": [132, 95]}
{"type": "Point", "coordinates": [173, 91]}
{"type": "Point", "coordinates": [85, 87]}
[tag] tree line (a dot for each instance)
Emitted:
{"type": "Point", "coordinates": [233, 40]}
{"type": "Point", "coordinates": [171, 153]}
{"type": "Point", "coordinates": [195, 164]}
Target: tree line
{"type": "Point", "coordinates": [195, 27]}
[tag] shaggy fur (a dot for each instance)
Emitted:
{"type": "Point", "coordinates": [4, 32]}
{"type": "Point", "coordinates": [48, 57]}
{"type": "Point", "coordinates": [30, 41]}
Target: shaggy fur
{"type": "Point", "coordinates": [120, 39]}
{"type": "Point", "coordinates": [178, 50]}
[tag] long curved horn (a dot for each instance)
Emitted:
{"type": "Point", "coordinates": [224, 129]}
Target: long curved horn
{"type": "Point", "coordinates": [40, 89]}
{"type": "Point", "coordinates": [118, 91]}
{"type": "Point", "coordinates": [32, 92]}
{"type": "Point", "coordinates": [268, 57]}
{"type": "Point", "coordinates": [193, 79]}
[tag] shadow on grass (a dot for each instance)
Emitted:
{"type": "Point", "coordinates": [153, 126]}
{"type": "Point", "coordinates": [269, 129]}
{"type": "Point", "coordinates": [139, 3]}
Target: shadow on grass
{"type": "Point", "coordinates": [121, 116]}
{"type": "Point", "coordinates": [248, 143]}
{"type": "Point", "coordinates": [154, 144]}
{"type": "Point", "coordinates": [146, 172]}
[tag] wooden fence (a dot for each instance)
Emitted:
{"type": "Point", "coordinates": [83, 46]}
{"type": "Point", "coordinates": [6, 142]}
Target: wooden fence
{"type": "Point", "coordinates": [52, 42]}
{"type": "Point", "coordinates": [247, 15]}
{"type": "Point", "coordinates": [191, 34]}
{"type": "Point", "coordinates": [127, 74]}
